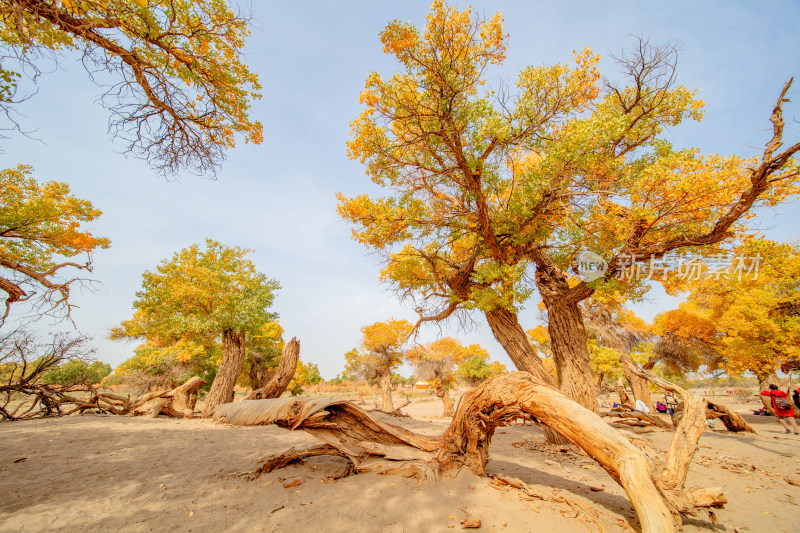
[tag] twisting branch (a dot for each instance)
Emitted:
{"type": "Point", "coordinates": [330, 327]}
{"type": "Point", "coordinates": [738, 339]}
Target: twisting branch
{"type": "Point", "coordinates": [184, 92]}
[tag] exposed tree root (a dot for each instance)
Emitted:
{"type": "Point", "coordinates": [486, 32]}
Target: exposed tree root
{"type": "Point", "coordinates": [376, 446]}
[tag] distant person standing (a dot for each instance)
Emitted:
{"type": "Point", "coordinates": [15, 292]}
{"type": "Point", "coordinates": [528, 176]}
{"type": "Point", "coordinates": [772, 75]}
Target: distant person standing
{"type": "Point", "coordinates": [782, 407]}
{"type": "Point", "coordinates": [671, 403]}
{"type": "Point", "coordinates": [796, 397]}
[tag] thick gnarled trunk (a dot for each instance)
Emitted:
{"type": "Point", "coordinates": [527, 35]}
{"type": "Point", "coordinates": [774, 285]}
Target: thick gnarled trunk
{"type": "Point", "coordinates": [376, 446]}
{"type": "Point", "coordinates": [444, 394]}
{"type": "Point", "coordinates": [386, 391]}
{"type": "Point", "coordinates": [638, 385]}
{"type": "Point", "coordinates": [509, 333]}
{"type": "Point", "coordinates": [229, 369]}
{"type": "Point", "coordinates": [283, 374]}
{"type": "Point", "coordinates": [571, 353]}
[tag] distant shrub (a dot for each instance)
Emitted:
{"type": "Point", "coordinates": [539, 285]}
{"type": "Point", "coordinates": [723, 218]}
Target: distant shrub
{"type": "Point", "coordinates": [77, 372]}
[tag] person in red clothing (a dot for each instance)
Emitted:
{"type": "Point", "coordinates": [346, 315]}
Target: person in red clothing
{"type": "Point", "coordinates": [781, 413]}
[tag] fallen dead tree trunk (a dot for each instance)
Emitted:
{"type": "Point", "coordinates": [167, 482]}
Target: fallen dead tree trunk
{"type": "Point", "coordinates": [282, 376]}
{"type": "Point", "coordinates": [376, 446]}
{"type": "Point", "coordinates": [645, 419]}
{"type": "Point", "coordinates": [731, 420]}
{"type": "Point", "coordinates": [51, 401]}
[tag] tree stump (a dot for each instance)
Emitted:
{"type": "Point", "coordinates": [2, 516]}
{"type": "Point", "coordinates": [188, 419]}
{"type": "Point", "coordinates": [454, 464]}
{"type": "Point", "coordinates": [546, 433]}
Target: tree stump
{"type": "Point", "coordinates": [282, 376]}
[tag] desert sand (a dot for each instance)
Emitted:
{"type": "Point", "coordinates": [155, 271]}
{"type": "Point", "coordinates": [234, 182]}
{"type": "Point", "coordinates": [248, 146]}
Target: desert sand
{"type": "Point", "coordinates": [110, 473]}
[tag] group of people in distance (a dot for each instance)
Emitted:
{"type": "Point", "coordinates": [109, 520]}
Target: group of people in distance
{"type": "Point", "coordinates": [783, 407]}
{"type": "Point", "coordinates": [779, 399]}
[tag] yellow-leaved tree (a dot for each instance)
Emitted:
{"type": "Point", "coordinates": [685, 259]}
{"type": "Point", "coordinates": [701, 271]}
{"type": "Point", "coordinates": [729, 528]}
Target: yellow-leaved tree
{"type": "Point", "coordinates": [197, 298]}
{"type": "Point", "coordinates": [492, 193]}
{"type": "Point", "coordinates": [381, 351]}
{"type": "Point", "coordinates": [41, 239]}
{"type": "Point", "coordinates": [182, 92]}
{"type": "Point", "coordinates": [476, 368]}
{"type": "Point", "coordinates": [436, 362]}
{"type": "Point", "coordinates": [744, 323]}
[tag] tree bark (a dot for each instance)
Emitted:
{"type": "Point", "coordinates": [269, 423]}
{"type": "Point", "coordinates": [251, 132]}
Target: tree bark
{"type": "Point", "coordinates": [638, 385]}
{"type": "Point", "coordinates": [444, 394]}
{"type": "Point", "coordinates": [509, 333]}
{"type": "Point", "coordinates": [622, 393]}
{"type": "Point", "coordinates": [229, 370]}
{"type": "Point", "coordinates": [571, 353]}
{"type": "Point", "coordinates": [283, 374]}
{"type": "Point", "coordinates": [375, 446]}
{"type": "Point", "coordinates": [731, 420]}
{"type": "Point", "coordinates": [764, 381]}
{"type": "Point", "coordinates": [182, 396]}
{"type": "Point", "coordinates": [386, 391]}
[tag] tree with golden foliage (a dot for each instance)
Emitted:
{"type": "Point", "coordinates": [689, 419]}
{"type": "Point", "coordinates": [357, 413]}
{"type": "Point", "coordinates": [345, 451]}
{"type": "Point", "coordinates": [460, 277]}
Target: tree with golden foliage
{"type": "Point", "coordinates": [183, 92]}
{"type": "Point", "coordinates": [492, 193]}
{"type": "Point", "coordinates": [476, 368]}
{"type": "Point", "coordinates": [40, 235]}
{"type": "Point", "coordinates": [381, 352]}
{"type": "Point", "coordinates": [741, 323]}
{"type": "Point", "coordinates": [436, 362]}
{"type": "Point", "coordinates": [196, 297]}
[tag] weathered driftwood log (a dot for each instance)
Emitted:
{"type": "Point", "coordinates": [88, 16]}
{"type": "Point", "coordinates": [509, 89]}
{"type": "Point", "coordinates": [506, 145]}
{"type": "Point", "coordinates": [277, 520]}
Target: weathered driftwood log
{"type": "Point", "coordinates": [731, 420]}
{"type": "Point", "coordinates": [54, 400]}
{"type": "Point", "coordinates": [177, 403]}
{"type": "Point", "coordinates": [672, 476]}
{"type": "Point", "coordinates": [373, 445]}
{"type": "Point", "coordinates": [282, 376]}
{"type": "Point", "coordinates": [651, 420]}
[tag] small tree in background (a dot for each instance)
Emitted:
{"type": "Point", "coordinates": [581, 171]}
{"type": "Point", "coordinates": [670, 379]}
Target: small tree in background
{"type": "Point", "coordinates": [306, 374]}
{"type": "Point", "coordinates": [381, 352]}
{"type": "Point", "coordinates": [77, 372]}
{"type": "Point", "coordinates": [476, 368]}
{"type": "Point", "coordinates": [436, 362]}
{"type": "Point", "coordinates": [192, 300]}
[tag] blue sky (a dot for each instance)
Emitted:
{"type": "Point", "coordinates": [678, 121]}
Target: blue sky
{"type": "Point", "coordinates": [278, 197]}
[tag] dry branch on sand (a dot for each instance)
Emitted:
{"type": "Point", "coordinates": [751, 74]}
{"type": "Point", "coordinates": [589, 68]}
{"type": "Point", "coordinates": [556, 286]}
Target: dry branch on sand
{"type": "Point", "coordinates": [731, 420]}
{"type": "Point", "coordinates": [635, 418]}
{"type": "Point", "coordinates": [371, 445]}
{"type": "Point", "coordinates": [54, 400]}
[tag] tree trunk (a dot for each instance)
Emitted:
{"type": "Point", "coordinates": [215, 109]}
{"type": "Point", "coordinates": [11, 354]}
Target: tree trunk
{"type": "Point", "coordinates": [764, 381]}
{"type": "Point", "coordinates": [571, 353]}
{"type": "Point", "coordinates": [509, 333]}
{"type": "Point", "coordinates": [622, 393]}
{"type": "Point", "coordinates": [444, 394]}
{"type": "Point", "coordinates": [229, 370]}
{"type": "Point", "coordinates": [638, 385]}
{"type": "Point", "coordinates": [375, 446]}
{"type": "Point", "coordinates": [386, 391]}
{"type": "Point", "coordinates": [182, 396]}
{"type": "Point", "coordinates": [283, 374]}
{"type": "Point", "coordinates": [731, 420]}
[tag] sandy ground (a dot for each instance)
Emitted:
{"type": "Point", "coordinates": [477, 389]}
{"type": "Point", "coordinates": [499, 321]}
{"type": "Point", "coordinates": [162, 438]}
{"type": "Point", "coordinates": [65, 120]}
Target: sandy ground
{"type": "Point", "coordinates": [103, 473]}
